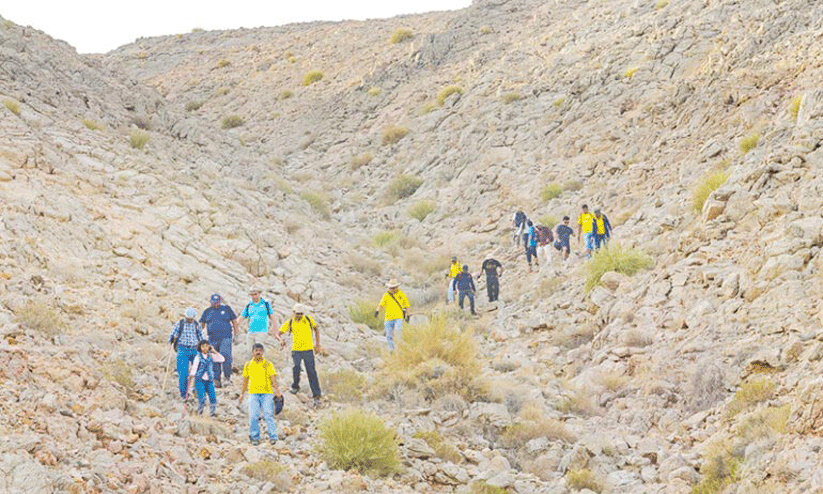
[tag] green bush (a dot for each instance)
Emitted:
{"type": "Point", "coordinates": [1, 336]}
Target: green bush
{"type": "Point", "coordinates": [318, 202]}
{"type": "Point", "coordinates": [749, 394]}
{"type": "Point", "coordinates": [617, 258]}
{"type": "Point", "coordinates": [710, 182]}
{"type": "Point", "coordinates": [421, 209]}
{"type": "Point", "coordinates": [583, 479]}
{"type": "Point", "coordinates": [404, 186]}
{"type": "Point", "coordinates": [222, 63]}
{"type": "Point", "coordinates": [721, 468]}
{"type": "Point", "coordinates": [374, 91]}
{"type": "Point", "coordinates": [401, 35]}
{"type": "Point", "coordinates": [393, 134]}
{"type": "Point", "coordinates": [481, 487]}
{"type": "Point", "coordinates": [382, 239]}
{"type": "Point", "coordinates": [194, 105]}
{"type": "Point", "coordinates": [358, 440]}
{"type": "Point", "coordinates": [447, 91]}
{"type": "Point", "coordinates": [12, 106]}
{"type": "Point", "coordinates": [749, 142]}
{"type": "Point", "coordinates": [91, 124]}
{"type": "Point", "coordinates": [551, 191]}
{"type": "Point", "coordinates": [312, 77]}
{"type": "Point", "coordinates": [269, 471]}
{"type": "Point", "coordinates": [362, 312]}
{"type": "Point", "coordinates": [138, 139]}
{"type": "Point", "coordinates": [286, 94]}
{"type": "Point", "coordinates": [232, 121]}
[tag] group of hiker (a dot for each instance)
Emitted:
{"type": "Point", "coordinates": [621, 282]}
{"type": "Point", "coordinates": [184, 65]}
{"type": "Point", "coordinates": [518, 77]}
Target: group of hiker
{"type": "Point", "coordinates": [204, 357]}
{"type": "Point", "coordinates": [461, 282]}
{"type": "Point", "coordinates": [593, 229]}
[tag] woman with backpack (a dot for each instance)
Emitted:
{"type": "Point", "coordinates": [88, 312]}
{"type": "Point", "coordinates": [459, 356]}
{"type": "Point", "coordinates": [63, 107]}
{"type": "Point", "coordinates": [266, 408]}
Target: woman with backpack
{"type": "Point", "coordinates": [202, 373]}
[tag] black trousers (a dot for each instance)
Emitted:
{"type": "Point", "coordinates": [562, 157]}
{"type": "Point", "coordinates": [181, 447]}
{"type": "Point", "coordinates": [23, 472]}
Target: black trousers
{"type": "Point", "coordinates": [470, 294]}
{"type": "Point", "coordinates": [492, 288]}
{"type": "Point", "coordinates": [307, 357]}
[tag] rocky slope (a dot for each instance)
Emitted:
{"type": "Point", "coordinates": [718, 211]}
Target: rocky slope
{"type": "Point", "coordinates": [703, 367]}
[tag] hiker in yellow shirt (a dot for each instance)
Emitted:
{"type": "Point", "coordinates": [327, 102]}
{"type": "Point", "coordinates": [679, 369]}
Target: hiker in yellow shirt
{"type": "Point", "coordinates": [260, 380]}
{"type": "Point", "coordinates": [397, 310]}
{"type": "Point", "coordinates": [302, 327]}
{"type": "Point", "coordinates": [584, 229]}
{"type": "Point", "coordinates": [454, 270]}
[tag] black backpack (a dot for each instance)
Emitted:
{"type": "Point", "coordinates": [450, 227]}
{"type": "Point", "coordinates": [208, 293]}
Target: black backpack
{"type": "Point", "coordinates": [519, 218]}
{"type": "Point", "coordinates": [268, 307]}
{"type": "Point", "coordinates": [311, 323]}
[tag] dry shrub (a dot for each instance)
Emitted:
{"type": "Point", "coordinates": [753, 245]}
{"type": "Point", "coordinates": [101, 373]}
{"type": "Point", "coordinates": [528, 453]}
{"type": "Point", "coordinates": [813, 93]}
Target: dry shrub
{"type": "Point", "coordinates": [393, 134]}
{"type": "Point", "coordinates": [345, 385]}
{"type": "Point", "coordinates": [232, 121]}
{"type": "Point", "coordinates": [574, 336]}
{"type": "Point", "coordinates": [359, 440]}
{"type": "Point", "coordinates": [383, 239]}
{"type": "Point", "coordinates": [583, 479]}
{"type": "Point", "coordinates": [12, 105]}
{"type": "Point", "coordinates": [578, 402]}
{"type": "Point", "coordinates": [526, 429]}
{"type": "Point", "coordinates": [442, 449]}
{"type": "Point", "coordinates": [511, 97]}
{"type": "Point", "coordinates": [286, 94]}
{"type": "Point", "coordinates": [750, 394]}
{"type": "Point", "coordinates": [362, 312]}
{"type": "Point", "coordinates": [403, 186]}
{"type": "Point", "coordinates": [705, 387]}
{"type": "Point", "coordinates": [721, 468]}
{"type": "Point", "coordinates": [40, 317]}
{"type": "Point", "coordinates": [551, 191]}
{"type": "Point", "coordinates": [548, 220]}
{"type": "Point", "coordinates": [437, 359]}
{"type": "Point", "coordinates": [794, 106]}
{"type": "Point", "coordinates": [637, 338]}
{"type": "Point", "coordinates": [481, 487]}
{"type": "Point", "coordinates": [91, 124]}
{"type": "Point", "coordinates": [318, 202]}
{"type": "Point", "coordinates": [119, 371]}
{"type": "Point", "coordinates": [270, 471]}
{"type": "Point", "coordinates": [710, 183]}
{"type": "Point", "coordinates": [612, 382]}
{"type": "Point", "coordinates": [763, 424]}
{"type": "Point", "coordinates": [364, 266]}
{"type": "Point", "coordinates": [194, 105]}
{"type": "Point", "coordinates": [312, 77]}
{"type": "Point", "coordinates": [138, 139]}
{"type": "Point", "coordinates": [616, 258]}
{"type": "Point", "coordinates": [401, 35]}
{"type": "Point", "coordinates": [749, 142]}
{"type": "Point", "coordinates": [447, 91]}
{"type": "Point", "coordinates": [360, 160]}
{"type": "Point", "coordinates": [421, 209]}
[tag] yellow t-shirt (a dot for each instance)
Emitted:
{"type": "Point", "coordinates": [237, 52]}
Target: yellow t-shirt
{"type": "Point", "coordinates": [301, 337]}
{"type": "Point", "coordinates": [455, 269]}
{"type": "Point", "coordinates": [585, 221]}
{"type": "Point", "coordinates": [393, 311]}
{"type": "Point", "coordinates": [601, 225]}
{"type": "Point", "coordinates": [259, 375]}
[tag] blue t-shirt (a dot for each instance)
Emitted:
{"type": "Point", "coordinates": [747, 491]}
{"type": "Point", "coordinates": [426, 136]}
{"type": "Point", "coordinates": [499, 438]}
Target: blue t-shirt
{"type": "Point", "coordinates": [563, 233]}
{"type": "Point", "coordinates": [258, 316]}
{"type": "Point", "coordinates": [219, 321]}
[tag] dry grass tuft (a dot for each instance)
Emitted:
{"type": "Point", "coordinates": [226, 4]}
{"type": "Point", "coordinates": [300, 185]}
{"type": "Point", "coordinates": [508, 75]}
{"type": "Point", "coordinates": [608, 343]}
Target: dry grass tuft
{"type": "Point", "coordinates": [551, 191]}
{"type": "Point", "coordinates": [138, 139]}
{"type": "Point", "coordinates": [583, 479]}
{"type": "Point", "coordinates": [119, 371]}
{"type": "Point", "coordinates": [721, 468]}
{"type": "Point", "coordinates": [711, 182]}
{"type": "Point", "coordinates": [270, 471]}
{"type": "Point", "coordinates": [749, 142]}
{"type": "Point", "coordinates": [481, 487]}
{"type": "Point", "coordinates": [312, 77]}
{"type": "Point", "coordinates": [286, 94]}
{"type": "Point", "coordinates": [447, 91]}
{"type": "Point", "coordinates": [393, 134]}
{"type": "Point", "coordinates": [362, 312]}
{"type": "Point", "coordinates": [401, 35]}
{"type": "Point", "coordinates": [421, 209]}
{"type": "Point", "coordinates": [232, 121]}
{"type": "Point", "coordinates": [358, 440]}
{"type": "Point", "coordinates": [40, 317]}
{"type": "Point", "coordinates": [616, 258]}
{"type": "Point", "coordinates": [91, 124]}
{"type": "Point", "coordinates": [794, 106]}
{"type": "Point", "coordinates": [194, 105]}
{"type": "Point", "coordinates": [511, 97]}
{"type": "Point", "coordinates": [750, 394]}
{"type": "Point", "coordinates": [403, 187]}
{"type": "Point", "coordinates": [360, 160]}
{"type": "Point", "coordinates": [12, 105]}
{"type": "Point", "coordinates": [444, 450]}
{"type": "Point", "coordinates": [345, 385]}
{"type": "Point", "coordinates": [318, 202]}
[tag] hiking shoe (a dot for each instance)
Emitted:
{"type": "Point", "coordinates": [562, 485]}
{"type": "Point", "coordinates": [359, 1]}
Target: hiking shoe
{"type": "Point", "coordinates": [218, 384]}
{"type": "Point", "coordinates": [293, 390]}
{"type": "Point", "coordinates": [254, 441]}
{"type": "Point", "coordinates": [317, 402]}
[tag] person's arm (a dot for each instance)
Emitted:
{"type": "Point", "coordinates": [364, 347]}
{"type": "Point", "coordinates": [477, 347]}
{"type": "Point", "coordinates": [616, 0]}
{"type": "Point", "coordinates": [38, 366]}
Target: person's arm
{"type": "Point", "coordinates": [380, 305]}
{"type": "Point", "coordinates": [282, 330]}
{"type": "Point", "coordinates": [579, 230]}
{"type": "Point", "coordinates": [174, 329]}
{"type": "Point", "coordinates": [275, 386]}
{"type": "Point", "coordinates": [471, 280]}
{"type": "Point", "coordinates": [316, 337]}
{"type": "Point", "coordinates": [233, 318]}
{"type": "Point", "coordinates": [204, 326]}
{"type": "Point", "coordinates": [607, 226]}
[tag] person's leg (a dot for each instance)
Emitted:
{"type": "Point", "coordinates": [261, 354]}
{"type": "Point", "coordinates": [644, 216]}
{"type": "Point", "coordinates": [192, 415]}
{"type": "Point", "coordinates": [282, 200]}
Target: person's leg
{"type": "Point", "coordinates": [311, 373]}
{"type": "Point", "coordinates": [212, 398]}
{"type": "Point", "coordinates": [493, 286]}
{"type": "Point", "coordinates": [182, 371]}
{"type": "Point", "coordinates": [267, 404]}
{"type": "Point", "coordinates": [201, 394]}
{"type": "Point", "coordinates": [225, 351]}
{"type": "Point", "coordinates": [589, 243]}
{"type": "Point", "coordinates": [254, 416]}
{"type": "Point", "coordinates": [450, 295]}
{"type": "Point", "coordinates": [295, 371]}
{"type": "Point", "coordinates": [388, 326]}
{"type": "Point", "coordinates": [462, 296]}
{"type": "Point", "coordinates": [398, 330]}
{"type": "Point", "coordinates": [471, 301]}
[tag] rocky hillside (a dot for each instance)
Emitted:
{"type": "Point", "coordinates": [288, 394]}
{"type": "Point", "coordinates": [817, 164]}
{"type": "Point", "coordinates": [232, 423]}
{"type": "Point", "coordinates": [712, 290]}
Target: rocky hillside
{"type": "Point", "coordinates": [318, 160]}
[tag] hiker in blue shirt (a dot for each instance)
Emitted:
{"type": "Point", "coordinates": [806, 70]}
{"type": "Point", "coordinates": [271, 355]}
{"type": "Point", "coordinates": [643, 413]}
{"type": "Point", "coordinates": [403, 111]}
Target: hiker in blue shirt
{"type": "Point", "coordinates": [531, 246]}
{"type": "Point", "coordinates": [464, 285]}
{"type": "Point", "coordinates": [563, 232]}
{"type": "Point", "coordinates": [184, 337]}
{"type": "Point", "coordinates": [259, 313]}
{"type": "Point", "coordinates": [218, 321]}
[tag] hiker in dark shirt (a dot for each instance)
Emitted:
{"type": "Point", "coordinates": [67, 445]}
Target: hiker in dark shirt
{"type": "Point", "coordinates": [493, 269]}
{"type": "Point", "coordinates": [464, 285]}
{"type": "Point", "coordinates": [562, 234]}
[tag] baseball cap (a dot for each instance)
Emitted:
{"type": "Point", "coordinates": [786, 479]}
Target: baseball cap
{"type": "Point", "coordinates": [215, 298]}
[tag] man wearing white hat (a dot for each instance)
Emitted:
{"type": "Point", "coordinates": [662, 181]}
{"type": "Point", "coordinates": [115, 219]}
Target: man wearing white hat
{"type": "Point", "coordinates": [397, 310]}
{"type": "Point", "coordinates": [302, 327]}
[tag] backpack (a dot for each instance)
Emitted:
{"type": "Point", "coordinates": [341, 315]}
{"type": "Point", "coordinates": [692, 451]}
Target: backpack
{"type": "Point", "coordinates": [308, 318]}
{"type": "Point", "coordinates": [268, 307]}
{"type": "Point", "coordinates": [519, 218]}
{"type": "Point", "coordinates": [543, 234]}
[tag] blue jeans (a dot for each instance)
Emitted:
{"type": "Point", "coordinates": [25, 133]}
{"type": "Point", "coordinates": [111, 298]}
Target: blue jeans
{"type": "Point", "coordinates": [203, 388]}
{"type": "Point", "coordinates": [470, 294]}
{"type": "Point", "coordinates": [307, 357]}
{"type": "Point", "coordinates": [223, 346]}
{"type": "Point", "coordinates": [392, 326]}
{"type": "Point", "coordinates": [451, 290]}
{"type": "Point", "coordinates": [589, 239]}
{"type": "Point", "coordinates": [600, 239]}
{"type": "Point", "coordinates": [185, 356]}
{"type": "Point", "coordinates": [265, 402]}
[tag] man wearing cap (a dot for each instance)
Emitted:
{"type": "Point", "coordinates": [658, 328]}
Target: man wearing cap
{"type": "Point", "coordinates": [302, 327]}
{"type": "Point", "coordinates": [260, 379]}
{"type": "Point", "coordinates": [184, 337]}
{"type": "Point", "coordinates": [219, 320]}
{"type": "Point", "coordinates": [258, 312]}
{"type": "Point", "coordinates": [397, 310]}
{"type": "Point", "coordinates": [454, 269]}
{"type": "Point", "coordinates": [601, 227]}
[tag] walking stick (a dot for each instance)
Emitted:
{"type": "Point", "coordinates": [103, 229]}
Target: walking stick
{"type": "Point", "coordinates": [166, 377]}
